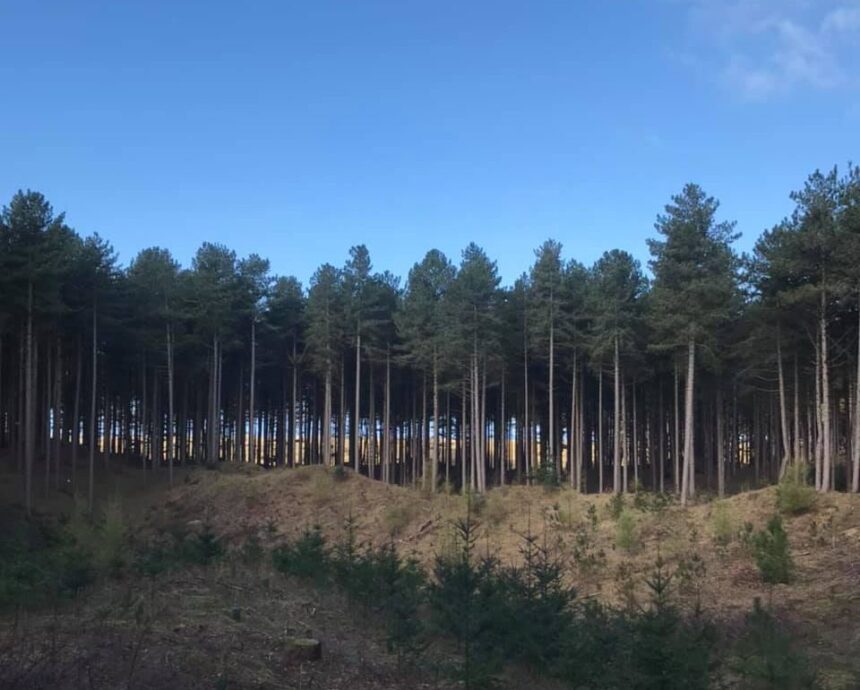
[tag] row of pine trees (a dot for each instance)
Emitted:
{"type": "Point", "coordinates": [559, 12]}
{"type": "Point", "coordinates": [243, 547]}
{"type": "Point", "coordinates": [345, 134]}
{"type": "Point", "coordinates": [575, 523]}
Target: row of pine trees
{"type": "Point", "coordinates": [713, 371]}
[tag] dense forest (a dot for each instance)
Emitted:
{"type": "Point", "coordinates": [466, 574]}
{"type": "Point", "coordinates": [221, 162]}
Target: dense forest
{"type": "Point", "coordinates": [709, 371]}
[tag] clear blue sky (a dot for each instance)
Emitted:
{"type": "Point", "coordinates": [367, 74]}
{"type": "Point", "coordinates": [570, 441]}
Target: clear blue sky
{"type": "Point", "coordinates": [296, 129]}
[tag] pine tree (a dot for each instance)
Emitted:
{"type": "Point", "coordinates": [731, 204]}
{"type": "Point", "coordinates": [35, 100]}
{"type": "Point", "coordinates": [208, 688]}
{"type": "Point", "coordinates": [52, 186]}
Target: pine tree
{"type": "Point", "coordinates": [693, 293]}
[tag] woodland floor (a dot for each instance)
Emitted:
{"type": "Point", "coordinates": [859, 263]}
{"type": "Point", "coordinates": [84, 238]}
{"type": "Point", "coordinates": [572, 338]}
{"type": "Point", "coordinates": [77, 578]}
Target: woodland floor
{"type": "Point", "coordinates": [224, 627]}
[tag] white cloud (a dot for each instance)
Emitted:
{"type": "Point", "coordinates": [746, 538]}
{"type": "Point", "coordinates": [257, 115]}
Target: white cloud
{"type": "Point", "coordinates": [842, 19]}
{"type": "Point", "coordinates": [765, 48]}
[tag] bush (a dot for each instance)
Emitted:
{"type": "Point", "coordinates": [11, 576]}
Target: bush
{"type": "Point", "coordinates": [625, 534]}
{"type": "Point", "coordinates": [793, 496]}
{"type": "Point", "coordinates": [765, 656]}
{"type": "Point", "coordinates": [722, 523]}
{"type": "Point", "coordinates": [616, 506]}
{"type": "Point", "coordinates": [772, 552]}
{"type": "Point", "coordinates": [306, 558]}
{"type": "Point", "coordinates": [587, 557]}
{"type": "Point", "coordinates": [652, 501]}
{"type": "Point", "coordinates": [251, 553]}
{"type": "Point", "coordinates": [666, 651]}
{"type": "Point", "coordinates": [178, 549]}
{"type": "Point", "coordinates": [40, 564]}
{"type": "Point", "coordinates": [467, 601]}
{"type": "Point", "coordinates": [202, 548]}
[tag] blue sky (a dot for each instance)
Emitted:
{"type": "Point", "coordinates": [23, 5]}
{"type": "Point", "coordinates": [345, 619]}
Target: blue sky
{"type": "Point", "coordinates": [297, 129]}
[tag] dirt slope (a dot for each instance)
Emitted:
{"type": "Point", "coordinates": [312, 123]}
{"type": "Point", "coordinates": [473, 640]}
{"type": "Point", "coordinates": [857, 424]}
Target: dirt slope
{"type": "Point", "coordinates": [822, 604]}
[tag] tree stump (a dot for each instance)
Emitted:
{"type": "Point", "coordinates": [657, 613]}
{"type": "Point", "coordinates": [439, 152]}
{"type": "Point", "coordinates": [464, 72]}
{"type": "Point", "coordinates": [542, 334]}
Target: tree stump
{"type": "Point", "coordinates": [300, 649]}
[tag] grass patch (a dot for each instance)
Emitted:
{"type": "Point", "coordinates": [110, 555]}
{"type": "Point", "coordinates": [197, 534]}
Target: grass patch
{"type": "Point", "coordinates": [793, 496]}
{"type": "Point", "coordinates": [723, 526]}
{"type": "Point", "coordinates": [625, 531]}
{"type": "Point", "coordinates": [772, 553]}
{"type": "Point", "coordinates": [397, 518]}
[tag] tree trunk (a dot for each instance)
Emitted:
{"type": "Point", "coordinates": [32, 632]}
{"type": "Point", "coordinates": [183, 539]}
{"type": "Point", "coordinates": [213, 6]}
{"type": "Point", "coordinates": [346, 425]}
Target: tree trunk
{"type": "Point", "coordinates": [855, 448]}
{"type": "Point", "coordinates": [386, 421]}
{"type": "Point", "coordinates": [616, 424]}
{"type": "Point", "coordinates": [676, 439]}
{"type": "Point", "coordinates": [435, 440]}
{"type": "Point", "coordinates": [721, 461]}
{"type": "Point", "coordinates": [826, 461]}
{"type": "Point", "coordinates": [355, 418]}
{"type": "Point", "coordinates": [170, 412]}
{"type": "Point", "coordinates": [783, 412]}
{"type": "Point", "coordinates": [550, 448]}
{"type": "Point", "coordinates": [29, 407]}
{"type": "Point", "coordinates": [92, 449]}
{"type": "Point", "coordinates": [687, 482]}
{"type": "Point", "coordinates": [252, 436]}
{"type": "Point", "coordinates": [600, 430]}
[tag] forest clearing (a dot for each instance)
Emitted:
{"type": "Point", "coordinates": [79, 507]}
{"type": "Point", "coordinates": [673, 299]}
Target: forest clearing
{"type": "Point", "coordinates": [224, 622]}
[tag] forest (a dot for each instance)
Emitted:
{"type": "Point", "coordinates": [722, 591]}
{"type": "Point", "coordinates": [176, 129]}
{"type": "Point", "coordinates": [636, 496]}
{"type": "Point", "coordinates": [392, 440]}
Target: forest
{"type": "Point", "coordinates": [563, 480]}
{"type": "Point", "coordinates": [709, 371]}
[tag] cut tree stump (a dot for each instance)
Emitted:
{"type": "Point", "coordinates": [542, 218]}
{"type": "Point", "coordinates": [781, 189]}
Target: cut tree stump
{"type": "Point", "coordinates": [299, 649]}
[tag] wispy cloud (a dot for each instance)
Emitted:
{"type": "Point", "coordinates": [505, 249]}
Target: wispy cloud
{"type": "Point", "coordinates": [765, 48]}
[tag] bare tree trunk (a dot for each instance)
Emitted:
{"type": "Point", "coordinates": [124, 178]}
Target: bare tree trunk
{"type": "Point", "coordinates": [855, 448]}
{"type": "Point", "coordinates": [76, 410]}
{"type": "Point", "coordinates": [435, 440]}
{"type": "Point", "coordinates": [676, 439]}
{"type": "Point", "coordinates": [528, 458]}
{"type": "Point", "coordinates": [600, 430]}
{"type": "Point", "coordinates": [721, 460]}
{"type": "Point", "coordinates": [573, 437]}
{"type": "Point", "coordinates": [59, 415]}
{"type": "Point", "coordinates": [798, 458]}
{"type": "Point", "coordinates": [634, 449]}
{"type": "Point", "coordinates": [616, 449]}
{"type": "Point", "coordinates": [783, 412]}
{"type": "Point", "coordinates": [386, 422]}
{"type": "Point", "coordinates": [252, 437]}
{"type": "Point", "coordinates": [29, 407]}
{"type": "Point", "coordinates": [355, 422]}
{"type": "Point", "coordinates": [826, 461]}
{"type": "Point", "coordinates": [502, 435]}
{"type": "Point", "coordinates": [170, 411]}
{"type": "Point", "coordinates": [371, 423]}
{"type": "Point", "coordinates": [662, 439]}
{"type": "Point", "coordinates": [293, 409]}
{"type": "Point", "coordinates": [550, 448]}
{"type": "Point", "coordinates": [341, 426]}
{"type": "Point", "coordinates": [92, 449]}
{"type": "Point", "coordinates": [48, 402]}
{"type": "Point", "coordinates": [687, 490]}
{"type": "Point", "coordinates": [326, 420]}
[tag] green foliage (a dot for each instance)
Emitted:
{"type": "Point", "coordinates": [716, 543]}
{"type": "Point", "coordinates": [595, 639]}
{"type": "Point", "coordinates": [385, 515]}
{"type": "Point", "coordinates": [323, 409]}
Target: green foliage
{"type": "Point", "coordinates": [306, 558]}
{"type": "Point", "coordinates": [616, 505]}
{"type": "Point", "coordinates": [591, 515]}
{"type": "Point", "coordinates": [588, 558]}
{"type": "Point", "coordinates": [772, 552]}
{"type": "Point", "coordinates": [666, 651]}
{"type": "Point", "coordinates": [765, 656]}
{"type": "Point", "coordinates": [252, 552]}
{"type": "Point", "coordinates": [539, 605]}
{"type": "Point", "coordinates": [652, 501]}
{"type": "Point", "coordinates": [179, 549]}
{"type": "Point", "coordinates": [465, 598]}
{"type": "Point", "coordinates": [40, 564]}
{"type": "Point", "coordinates": [625, 531]}
{"type": "Point", "coordinates": [202, 548]}
{"type": "Point", "coordinates": [722, 523]}
{"type": "Point", "coordinates": [793, 496]}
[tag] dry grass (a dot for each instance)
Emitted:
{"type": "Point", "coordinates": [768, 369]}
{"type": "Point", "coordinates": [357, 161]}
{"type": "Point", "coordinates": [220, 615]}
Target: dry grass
{"type": "Point", "coordinates": [822, 604]}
